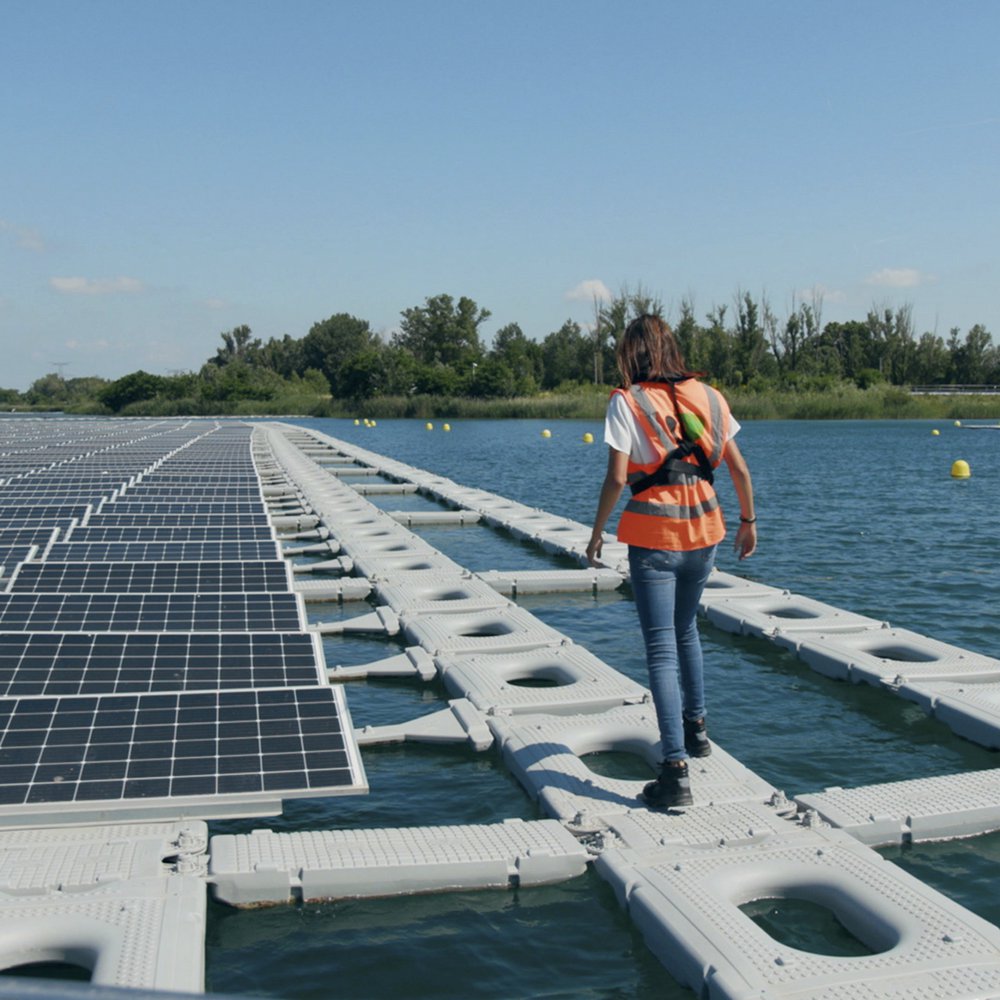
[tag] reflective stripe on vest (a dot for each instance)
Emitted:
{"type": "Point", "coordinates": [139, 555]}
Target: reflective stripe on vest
{"type": "Point", "coordinates": [652, 509]}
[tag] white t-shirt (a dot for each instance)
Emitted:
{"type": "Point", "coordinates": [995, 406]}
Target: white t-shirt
{"type": "Point", "coordinates": [623, 433]}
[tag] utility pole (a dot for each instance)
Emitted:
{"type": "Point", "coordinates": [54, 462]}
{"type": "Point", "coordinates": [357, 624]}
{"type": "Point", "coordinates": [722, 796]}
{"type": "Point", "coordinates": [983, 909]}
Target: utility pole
{"type": "Point", "coordinates": [59, 365]}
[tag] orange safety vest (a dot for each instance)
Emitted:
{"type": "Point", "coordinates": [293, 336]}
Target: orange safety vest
{"type": "Point", "coordinates": [682, 513]}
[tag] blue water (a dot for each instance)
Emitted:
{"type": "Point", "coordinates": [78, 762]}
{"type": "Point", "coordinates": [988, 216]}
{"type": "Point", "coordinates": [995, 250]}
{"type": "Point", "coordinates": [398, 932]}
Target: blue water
{"type": "Point", "coordinates": [863, 515]}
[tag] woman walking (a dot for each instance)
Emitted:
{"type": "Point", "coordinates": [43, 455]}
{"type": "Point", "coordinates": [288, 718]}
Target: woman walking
{"type": "Point", "coordinates": [666, 433]}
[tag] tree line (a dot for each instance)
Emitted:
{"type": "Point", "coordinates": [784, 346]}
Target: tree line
{"type": "Point", "coordinates": [439, 351]}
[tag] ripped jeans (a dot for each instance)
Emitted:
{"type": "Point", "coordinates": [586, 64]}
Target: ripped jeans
{"type": "Point", "coordinates": [667, 587]}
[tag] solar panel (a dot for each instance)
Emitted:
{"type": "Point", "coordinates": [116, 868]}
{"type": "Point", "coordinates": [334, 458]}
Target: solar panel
{"type": "Point", "coordinates": [167, 533]}
{"type": "Point", "coordinates": [38, 510]}
{"type": "Point", "coordinates": [228, 491]}
{"type": "Point", "coordinates": [38, 664]}
{"type": "Point", "coordinates": [162, 551]}
{"type": "Point", "coordinates": [154, 577]}
{"type": "Point", "coordinates": [120, 749]}
{"type": "Point", "coordinates": [43, 522]}
{"type": "Point", "coordinates": [154, 662]}
{"type": "Point", "coordinates": [162, 520]}
{"type": "Point", "coordinates": [206, 508]}
{"type": "Point", "coordinates": [25, 536]}
{"type": "Point", "coordinates": [149, 613]}
{"type": "Point", "coordinates": [11, 555]}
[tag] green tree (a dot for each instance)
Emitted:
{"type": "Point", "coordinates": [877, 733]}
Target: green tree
{"type": "Point", "coordinates": [749, 344]}
{"type": "Point", "coordinates": [689, 336]}
{"type": "Point", "coordinates": [931, 360]}
{"type": "Point", "coordinates": [49, 390]}
{"type": "Point", "coordinates": [237, 345]}
{"type": "Point", "coordinates": [441, 332]}
{"type": "Point", "coordinates": [719, 352]}
{"type": "Point", "coordinates": [285, 356]}
{"type": "Point", "coordinates": [523, 357]}
{"type": "Point", "coordinates": [972, 361]}
{"type": "Point", "coordinates": [331, 343]}
{"type": "Point", "coordinates": [131, 388]}
{"type": "Point", "coordinates": [363, 375]}
{"type": "Point", "coordinates": [567, 356]}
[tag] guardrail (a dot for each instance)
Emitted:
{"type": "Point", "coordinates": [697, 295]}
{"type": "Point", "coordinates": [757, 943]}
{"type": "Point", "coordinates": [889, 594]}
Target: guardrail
{"type": "Point", "coordinates": [955, 390]}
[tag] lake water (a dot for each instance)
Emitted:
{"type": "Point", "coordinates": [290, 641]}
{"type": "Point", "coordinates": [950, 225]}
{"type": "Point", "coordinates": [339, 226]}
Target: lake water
{"type": "Point", "coordinates": [862, 515]}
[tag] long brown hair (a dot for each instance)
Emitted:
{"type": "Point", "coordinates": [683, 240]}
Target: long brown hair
{"type": "Point", "coordinates": [648, 351]}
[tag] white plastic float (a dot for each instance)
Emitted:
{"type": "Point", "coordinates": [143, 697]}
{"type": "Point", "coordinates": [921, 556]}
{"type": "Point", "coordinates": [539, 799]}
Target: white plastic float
{"type": "Point", "coordinates": [505, 683]}
{"type": "Point", "coordinates": [262, 866]}
{"type": "Point", "coordinates": [969, 708]}
{"type": "Point", "coordinates": [506, 629]}
{"type": "Point", "coordinates": [891, 655]}
{"type": "Point", "coordinates": [125, 901]}
{"type": "Point", "coordinates": [900, 812]}
{"type": "Point", "coordinates": [686, 902]}
{"type": "Point", "coordinates": [772, 616]}
{"type": "Point", "coordinates": [546, 753]}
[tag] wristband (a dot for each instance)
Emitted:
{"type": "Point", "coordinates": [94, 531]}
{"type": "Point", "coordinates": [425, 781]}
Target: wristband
{"type": "Point", "coordinates": [749, 520]}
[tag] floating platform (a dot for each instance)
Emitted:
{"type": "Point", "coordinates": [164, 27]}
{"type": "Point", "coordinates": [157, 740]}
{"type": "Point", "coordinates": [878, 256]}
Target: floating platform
{"type": "Point", "coordinates": [109, 848]}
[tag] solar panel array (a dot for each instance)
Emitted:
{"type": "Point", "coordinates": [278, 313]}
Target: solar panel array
{"type": "Point", "coordinates": [152, 655]}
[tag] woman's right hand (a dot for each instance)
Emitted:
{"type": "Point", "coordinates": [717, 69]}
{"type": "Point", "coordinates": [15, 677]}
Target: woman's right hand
{"type": "Point", "coordinates": [746, 540]}
{"type": "Point", "coordinates": [594, 547]}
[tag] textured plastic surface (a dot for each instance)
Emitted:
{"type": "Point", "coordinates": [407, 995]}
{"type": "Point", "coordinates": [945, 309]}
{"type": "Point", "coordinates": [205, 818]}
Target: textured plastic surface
{"type": "Point", "coordinates": [547, 755]}
{"type": "Point", "coordinates": [348, 589]}
{"type": "Point", "coordinates": [460, 722]}
{"type": "Point", "coordinates": [785, 613]}
{"type": "Point", "coordinates": [686, 903]}
{"type": "Point", "coordinates": [272, 867]}
{"type": "Point", "coordinates": [506, 629]}
{"type": "Point", "coordinates": [443, 593]}
{"type": "Point", "coordinates": [969, 708]}
{"type": "Point", "coordinates": [892, 655]}
{"type": "Point", "coordinates": [954, 805]}
{"type": "Point", "coordinates": [128, 900]}
{"type": "Point", "coordinates": [506, 683]}
{"type": "Point", "coordinates": [547, 581]}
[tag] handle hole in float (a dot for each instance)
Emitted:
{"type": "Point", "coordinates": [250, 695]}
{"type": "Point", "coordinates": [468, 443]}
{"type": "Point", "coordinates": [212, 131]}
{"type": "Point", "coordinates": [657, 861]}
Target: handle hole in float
{"type": "Point", "coordinates": [806, 926]}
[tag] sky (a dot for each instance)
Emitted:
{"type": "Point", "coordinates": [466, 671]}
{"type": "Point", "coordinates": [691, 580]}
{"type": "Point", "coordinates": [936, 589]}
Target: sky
{"type": "Point", "coordinates": [172, 170]}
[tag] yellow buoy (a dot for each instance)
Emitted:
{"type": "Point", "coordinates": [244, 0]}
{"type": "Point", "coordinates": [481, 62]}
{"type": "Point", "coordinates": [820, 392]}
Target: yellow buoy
{"type": "Point", "coordinates": [546, 433]}
{"type": "Point", "coordinates": [960, 469]}
{"type": "Point", "coordinates": [935, 433]}
{"type": "Point", "coordinates": [446, 427]}
{"type": "Point", "coordinates": [373, 423]}
{"type": "Point", "coordinates": [429, 426]}
{"type": "Point", "coordinates": [588, 438]}
{"type": "Point", "coordinates": [356, 422]}
{"type": "Point", "coordinates": [958, 423]}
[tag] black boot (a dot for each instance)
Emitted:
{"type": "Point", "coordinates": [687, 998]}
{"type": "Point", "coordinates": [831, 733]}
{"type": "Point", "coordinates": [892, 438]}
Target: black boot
{"type": "Point", "coordinates": [671, 789]}
{"type": "Point", "coordinates": [696, 738]}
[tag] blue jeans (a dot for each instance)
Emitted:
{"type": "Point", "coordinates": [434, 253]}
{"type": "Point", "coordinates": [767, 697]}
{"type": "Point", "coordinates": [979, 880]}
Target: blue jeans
{"type": "Point", "coordinates": [667, 587]}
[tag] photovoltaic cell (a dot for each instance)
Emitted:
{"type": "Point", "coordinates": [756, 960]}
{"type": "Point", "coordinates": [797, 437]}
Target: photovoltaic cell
{"type": "Point", "coordinates": [40, 664]}
{"type": "Point", "coordinates": [149, 613]}
{"type": "Point", "coordinates": [96, 752]}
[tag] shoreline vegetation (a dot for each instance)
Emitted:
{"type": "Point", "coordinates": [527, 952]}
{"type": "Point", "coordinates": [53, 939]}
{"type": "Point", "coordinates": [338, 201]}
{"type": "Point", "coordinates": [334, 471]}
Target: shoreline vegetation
{"type": "Point", "coordinates": [436, 365]}
{"type": "Point", "coordinates": [842, 401]}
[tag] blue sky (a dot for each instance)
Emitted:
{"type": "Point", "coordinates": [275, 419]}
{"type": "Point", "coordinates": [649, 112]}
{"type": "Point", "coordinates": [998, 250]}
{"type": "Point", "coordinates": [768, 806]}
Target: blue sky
{"type": "Point", "coordinates": [172, 170]}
